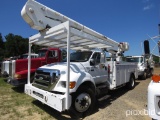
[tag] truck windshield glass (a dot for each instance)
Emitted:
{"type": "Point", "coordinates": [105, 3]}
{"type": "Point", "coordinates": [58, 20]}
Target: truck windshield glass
{"type": "Point", "coordinates": [138, 60]}
{"type": "Point", "coordinates": [42, 53]}
{"type": "Point", "coordinates": [79, 56]}
{"type": "Point", "coordinates": [24, 56]}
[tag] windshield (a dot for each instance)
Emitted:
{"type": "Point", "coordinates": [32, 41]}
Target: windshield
{"type": "Point", "coordinates": [24, 56]}
{"type": "Point", "coordinates": [42, 53]}
{"type": "Point", "coordinates": [79, 56]}
{"type": "Point", "coordinates": [136, 59]}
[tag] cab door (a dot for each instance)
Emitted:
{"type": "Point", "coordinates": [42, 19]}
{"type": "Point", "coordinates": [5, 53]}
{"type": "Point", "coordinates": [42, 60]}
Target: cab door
{"type": "Point", "coordinates": [98, 69]}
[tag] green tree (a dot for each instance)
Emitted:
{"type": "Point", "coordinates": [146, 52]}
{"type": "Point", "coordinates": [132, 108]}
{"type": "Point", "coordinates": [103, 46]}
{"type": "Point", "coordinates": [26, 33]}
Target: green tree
{"type": "Point", "coordinates": [35, 48]}
{"type": "Point", "coordinates": [15, 45]}
{"type": "Point", "coordinates": [1, 47]}
{"type": "Point", "coordinates": [1, 42]}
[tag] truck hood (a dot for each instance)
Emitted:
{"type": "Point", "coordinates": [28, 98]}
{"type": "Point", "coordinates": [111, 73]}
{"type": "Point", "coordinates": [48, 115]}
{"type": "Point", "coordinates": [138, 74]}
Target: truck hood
{"type": "Point", "coordinates": [62, 66]}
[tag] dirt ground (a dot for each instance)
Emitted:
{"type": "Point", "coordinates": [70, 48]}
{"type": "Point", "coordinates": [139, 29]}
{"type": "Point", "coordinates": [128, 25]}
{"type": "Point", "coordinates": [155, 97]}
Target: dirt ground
{"type": "Point", "coordinates": [119, 104]}
{"type": "Point", "coordinates": [123, 104]}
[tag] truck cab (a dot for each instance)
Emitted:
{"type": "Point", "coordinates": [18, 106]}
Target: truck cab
{"type": "Point", "coordinates": [15, 71]}
{"type": "Point", "coordinates": [86, 66]}
{"type": "Point", "coordinates": [145, 65]}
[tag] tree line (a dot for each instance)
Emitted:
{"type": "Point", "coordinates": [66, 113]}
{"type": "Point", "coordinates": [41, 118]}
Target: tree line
{"type": "Point", "coordinates": [14, 45]}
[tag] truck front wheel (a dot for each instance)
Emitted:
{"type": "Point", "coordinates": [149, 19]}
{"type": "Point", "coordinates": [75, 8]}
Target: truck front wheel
{"type": "Point", "coordinates": [83, 102]}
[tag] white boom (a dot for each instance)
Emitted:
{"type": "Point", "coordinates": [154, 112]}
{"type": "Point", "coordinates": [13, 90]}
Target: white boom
{"type": "Point", "coordinates": [40, 17]}
{"type": "Point", "coordinates": [60, 31]}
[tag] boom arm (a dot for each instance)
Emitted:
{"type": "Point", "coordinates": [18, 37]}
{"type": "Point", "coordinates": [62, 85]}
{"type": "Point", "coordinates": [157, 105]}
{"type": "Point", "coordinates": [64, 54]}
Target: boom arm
{"type": "Point", "coordinates": [42, 18]}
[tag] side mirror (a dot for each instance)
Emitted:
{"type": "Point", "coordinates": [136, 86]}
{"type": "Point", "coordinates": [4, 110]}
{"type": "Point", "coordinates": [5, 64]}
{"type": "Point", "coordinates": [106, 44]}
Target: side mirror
{"type": "Point", "coordinates": [92, 62]}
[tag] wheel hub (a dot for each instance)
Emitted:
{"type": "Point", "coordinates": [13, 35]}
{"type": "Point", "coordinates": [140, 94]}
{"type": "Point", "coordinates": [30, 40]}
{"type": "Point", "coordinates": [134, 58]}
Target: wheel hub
{"type": "Point", "coordinates": [82, 102]}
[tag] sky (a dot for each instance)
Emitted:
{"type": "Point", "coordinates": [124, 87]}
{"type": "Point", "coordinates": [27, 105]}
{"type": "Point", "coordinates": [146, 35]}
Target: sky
{"type": "Point", "coordinates": [131, 21]}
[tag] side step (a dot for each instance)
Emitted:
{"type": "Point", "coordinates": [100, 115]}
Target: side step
{"type": "Point", "coordinates": [102, 89]}
{"type": "Point", "coordinates": [103, 98]}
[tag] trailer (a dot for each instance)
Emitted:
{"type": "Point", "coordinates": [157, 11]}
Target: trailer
{"type": "Point", "coordinates": [75, 83]}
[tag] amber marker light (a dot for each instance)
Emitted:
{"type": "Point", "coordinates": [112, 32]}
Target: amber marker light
{"type": "Point", "coordinates": [72, 85]}
{"type": "Point", "coordinates": [156, 78]}
{"type": "Point", "coordinates": [17, 76]}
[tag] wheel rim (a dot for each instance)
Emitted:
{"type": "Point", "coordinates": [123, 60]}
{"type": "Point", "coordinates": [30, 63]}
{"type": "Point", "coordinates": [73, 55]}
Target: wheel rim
{"type": "Point", "coordinates": [82, 102]}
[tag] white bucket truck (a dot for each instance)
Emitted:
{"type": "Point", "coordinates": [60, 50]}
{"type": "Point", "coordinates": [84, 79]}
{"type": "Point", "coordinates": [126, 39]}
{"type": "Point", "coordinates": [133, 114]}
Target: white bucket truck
{"type": "Point", "coordinates": [75, 83]}
{"type": "Point", "coordinates": [145, 65]}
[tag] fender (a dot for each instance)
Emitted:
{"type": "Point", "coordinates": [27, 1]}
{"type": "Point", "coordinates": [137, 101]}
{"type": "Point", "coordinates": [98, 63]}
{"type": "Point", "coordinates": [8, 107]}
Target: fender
{"type": "Point", "coordinates": [86, 80]}
{"type": "Point", "coordinates": [23, 74]}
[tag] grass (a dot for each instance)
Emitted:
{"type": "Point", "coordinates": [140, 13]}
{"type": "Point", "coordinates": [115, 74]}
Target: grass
{"type": "Point", "coordinates": [16, 105]}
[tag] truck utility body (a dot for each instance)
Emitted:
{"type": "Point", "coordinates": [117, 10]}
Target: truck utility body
{"type": "Point", "coordinates": [74, 84]}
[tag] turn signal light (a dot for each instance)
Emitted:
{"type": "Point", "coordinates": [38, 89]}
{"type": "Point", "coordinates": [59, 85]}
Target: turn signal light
{"type": "Point", "coordinates": [72, 85]}
{"type": "Point", "coordinates": [17, 76]}
{"type": "Point", "coordinates": [156, 78]}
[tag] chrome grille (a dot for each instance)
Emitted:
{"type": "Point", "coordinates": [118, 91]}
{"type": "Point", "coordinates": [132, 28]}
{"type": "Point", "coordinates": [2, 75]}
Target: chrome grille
{"type": "Point", "coordinates": [46, 78]}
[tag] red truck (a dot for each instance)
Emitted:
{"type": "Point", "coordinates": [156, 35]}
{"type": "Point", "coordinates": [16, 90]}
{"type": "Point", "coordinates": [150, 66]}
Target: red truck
{"type": "Point", "coordinates": [16, 71]}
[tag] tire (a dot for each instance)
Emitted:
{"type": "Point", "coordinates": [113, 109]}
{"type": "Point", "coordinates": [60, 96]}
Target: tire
{"type": "Point", "coordinates": [83, 102]}
{"type": "Point", "coordinates": [131, 84]}
{"type": "Point", "coordinates": [154, 119]}
{"type": "Point", "coordinates": [151, 72]}
{"type": "Point", "coordinates": [144, 76]}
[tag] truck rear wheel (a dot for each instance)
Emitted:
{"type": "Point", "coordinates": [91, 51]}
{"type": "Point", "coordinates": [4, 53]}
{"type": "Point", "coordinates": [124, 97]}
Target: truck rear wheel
{"type": "Point", "coordinates": [151, 72]}
{"type": "Point", "coordinates": [131, 84]}
{"type": "Point", "coordinates": [83, 102]}
{"type": "Point", "coordinates": [144, 76]}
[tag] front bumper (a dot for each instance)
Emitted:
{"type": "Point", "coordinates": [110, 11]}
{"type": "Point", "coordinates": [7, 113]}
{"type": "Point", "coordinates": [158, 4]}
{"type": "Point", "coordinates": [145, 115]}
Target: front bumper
{"type": "Point", "coordinates": [16, 82]}
{"type": "Point", "coordinates": [56, 101]}
{"type": "Point", "coordinates": [140, 73]}
{"type": "Point", "coordinates": [153, 98]}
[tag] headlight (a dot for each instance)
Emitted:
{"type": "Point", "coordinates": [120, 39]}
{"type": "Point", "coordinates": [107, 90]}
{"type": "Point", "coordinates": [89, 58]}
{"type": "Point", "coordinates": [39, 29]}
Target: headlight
{"type": "Point", "coordinates": [17, 76]}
